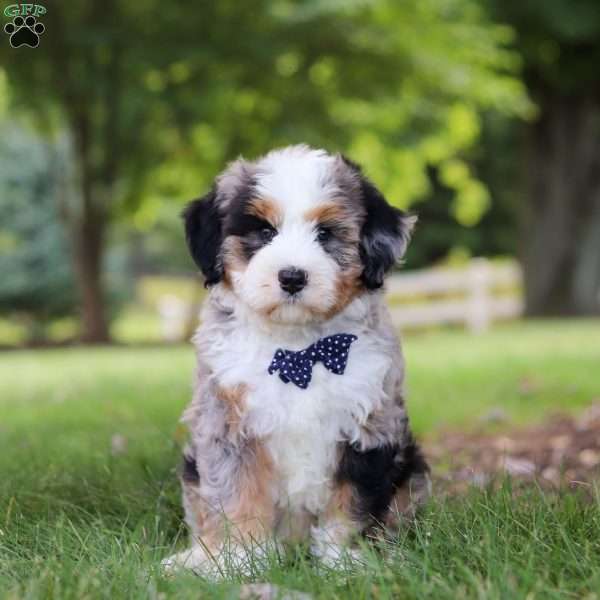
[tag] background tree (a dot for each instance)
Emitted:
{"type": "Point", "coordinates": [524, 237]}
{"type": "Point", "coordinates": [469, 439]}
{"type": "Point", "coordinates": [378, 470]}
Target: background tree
{"type": "Point", "coordinates": [37, 280]}
{"type": "Point", "coordinates": [154, 99]}
{"type": "Point", "coordinates": [560, 163]}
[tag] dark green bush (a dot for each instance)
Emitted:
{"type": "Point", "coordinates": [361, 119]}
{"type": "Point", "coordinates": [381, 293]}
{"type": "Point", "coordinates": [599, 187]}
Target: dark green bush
{"type": "Point", "coordinates": [36, 279]}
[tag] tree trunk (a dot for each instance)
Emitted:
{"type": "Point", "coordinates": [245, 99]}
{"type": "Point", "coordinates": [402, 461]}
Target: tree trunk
{"type": "Point", "coordinates": [88, 225]}
{"type": "Point", "coordinates": [561, 241]}
{"type": "Point", "coordinates": [89, 249]}
{"type": "Point", "coordinates": [92, 107]}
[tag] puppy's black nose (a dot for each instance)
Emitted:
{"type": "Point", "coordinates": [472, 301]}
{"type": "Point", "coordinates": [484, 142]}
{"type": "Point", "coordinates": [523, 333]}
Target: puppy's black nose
{"type": "Point", "coordinates": [292, 280]}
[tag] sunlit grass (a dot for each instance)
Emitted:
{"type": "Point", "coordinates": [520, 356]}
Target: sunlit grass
{"type": "Point", "coordinates": [84, 516]}
{"type": "Point", "coordinates": [525, 368]}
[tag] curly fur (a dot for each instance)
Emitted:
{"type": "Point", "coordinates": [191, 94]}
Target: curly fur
{"type": "Point", "coordinates": [268, 460]}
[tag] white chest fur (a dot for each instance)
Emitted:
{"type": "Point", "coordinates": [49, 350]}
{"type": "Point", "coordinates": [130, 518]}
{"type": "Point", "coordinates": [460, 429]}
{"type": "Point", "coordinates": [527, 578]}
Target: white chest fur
{"type": "Point", "coordinates": [302, 427]}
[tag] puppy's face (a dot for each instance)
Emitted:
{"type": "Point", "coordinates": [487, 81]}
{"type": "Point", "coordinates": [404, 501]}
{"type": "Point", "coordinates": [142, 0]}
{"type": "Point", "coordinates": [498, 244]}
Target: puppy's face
{"type": "Point", "coordinates": [296, 235]}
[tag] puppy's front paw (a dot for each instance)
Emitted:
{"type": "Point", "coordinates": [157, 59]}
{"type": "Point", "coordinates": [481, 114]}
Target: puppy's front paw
{"type": "Point", "coordinates": [195, 560]}
{"type": "Point", "coordinates": [336, 556]}
{"type": "Point", "coordinates": [330, 544]}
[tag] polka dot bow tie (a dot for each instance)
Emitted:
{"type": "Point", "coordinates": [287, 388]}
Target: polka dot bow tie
{"type": "Point", "coordinates": [297, 367]}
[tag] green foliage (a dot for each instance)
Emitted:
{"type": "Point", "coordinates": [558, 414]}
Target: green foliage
{"type": "Point", "coordinates": [156, 100]}
{"type": "Point", "coordinates": [451, 64]}
{"type": "Point", "coordinates": [496, 162]}
{"type": "Point", "coordinates": [399, 87]}
{"type": "Point", "coordinates": [558, 40]}
{"type": "Point", "coordinates": [165, 97]}
{"type": "Point", "coordinates": [36, 281]}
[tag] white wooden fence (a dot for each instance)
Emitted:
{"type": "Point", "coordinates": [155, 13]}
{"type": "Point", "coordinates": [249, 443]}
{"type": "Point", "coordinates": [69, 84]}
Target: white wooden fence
{"type": "Point", "coordinates": [469, 296]}
{"type": "Point", "coordinates": [437, 296]}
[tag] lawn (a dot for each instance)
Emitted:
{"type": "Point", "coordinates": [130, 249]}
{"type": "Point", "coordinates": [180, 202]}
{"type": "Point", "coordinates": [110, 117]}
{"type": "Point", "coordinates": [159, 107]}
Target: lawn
{"type": "Point", "coordinates": [89, 501]}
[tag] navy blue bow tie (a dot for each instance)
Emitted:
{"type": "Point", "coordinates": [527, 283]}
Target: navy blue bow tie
{"type": "Point", "coordinates": [297, 367]}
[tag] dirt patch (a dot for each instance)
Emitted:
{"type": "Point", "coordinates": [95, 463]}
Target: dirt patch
{"type": "Point", "coordinates": [562, 451]}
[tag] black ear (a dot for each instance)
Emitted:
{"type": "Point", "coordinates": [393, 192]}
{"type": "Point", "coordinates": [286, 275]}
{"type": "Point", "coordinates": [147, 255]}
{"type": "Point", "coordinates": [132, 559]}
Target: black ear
{"type": "Point", "coordinates": [203, 233]}
{"type": "Point", "coordinates": [384, 236]}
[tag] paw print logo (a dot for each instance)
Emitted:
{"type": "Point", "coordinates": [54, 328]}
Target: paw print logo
{"type": "Point", "coordinates": [24, 32]}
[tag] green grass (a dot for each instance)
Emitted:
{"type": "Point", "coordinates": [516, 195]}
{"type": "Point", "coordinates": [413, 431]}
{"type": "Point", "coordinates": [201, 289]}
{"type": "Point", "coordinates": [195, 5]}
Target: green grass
{"type": "Point", "coordinates": [527, 369]}
{"type": "Point", "coordinates": [79, 521]}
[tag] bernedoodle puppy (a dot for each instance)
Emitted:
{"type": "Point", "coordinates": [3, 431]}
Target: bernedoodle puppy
{"type": "Point", "coordinates": [298, 427]}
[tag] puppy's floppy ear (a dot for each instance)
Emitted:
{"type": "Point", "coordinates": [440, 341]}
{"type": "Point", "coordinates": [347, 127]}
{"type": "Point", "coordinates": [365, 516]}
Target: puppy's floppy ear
{"type": "Point", "coordinates": [204, 235]}
{"type": "Point", "coordinates": [384, 236]}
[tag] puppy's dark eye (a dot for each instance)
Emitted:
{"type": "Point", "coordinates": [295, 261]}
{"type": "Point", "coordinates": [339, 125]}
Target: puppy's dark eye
{"type": "Point", "coordinates": [323, 234]}
{"type": "Point", "coordinates": [267, 234]}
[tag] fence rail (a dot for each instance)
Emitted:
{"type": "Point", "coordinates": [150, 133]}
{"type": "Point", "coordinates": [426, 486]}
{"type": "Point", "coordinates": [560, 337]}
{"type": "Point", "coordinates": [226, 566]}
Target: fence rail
{"type": "Point", "coordinates": [469, 296]}
{"type": "Point", "coordinates": [416, 298]}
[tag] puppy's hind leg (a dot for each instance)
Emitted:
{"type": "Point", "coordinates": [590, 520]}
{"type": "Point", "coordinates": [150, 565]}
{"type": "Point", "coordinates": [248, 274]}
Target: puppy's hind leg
{"type": "Point", "coordinates": [375, 489]}
{"type": "Point", "coordinates": [412, 488]}
{"type": "Point", "coordinates": [234, 531]}
{"type": "Point", "coordinates": [204, 530]}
